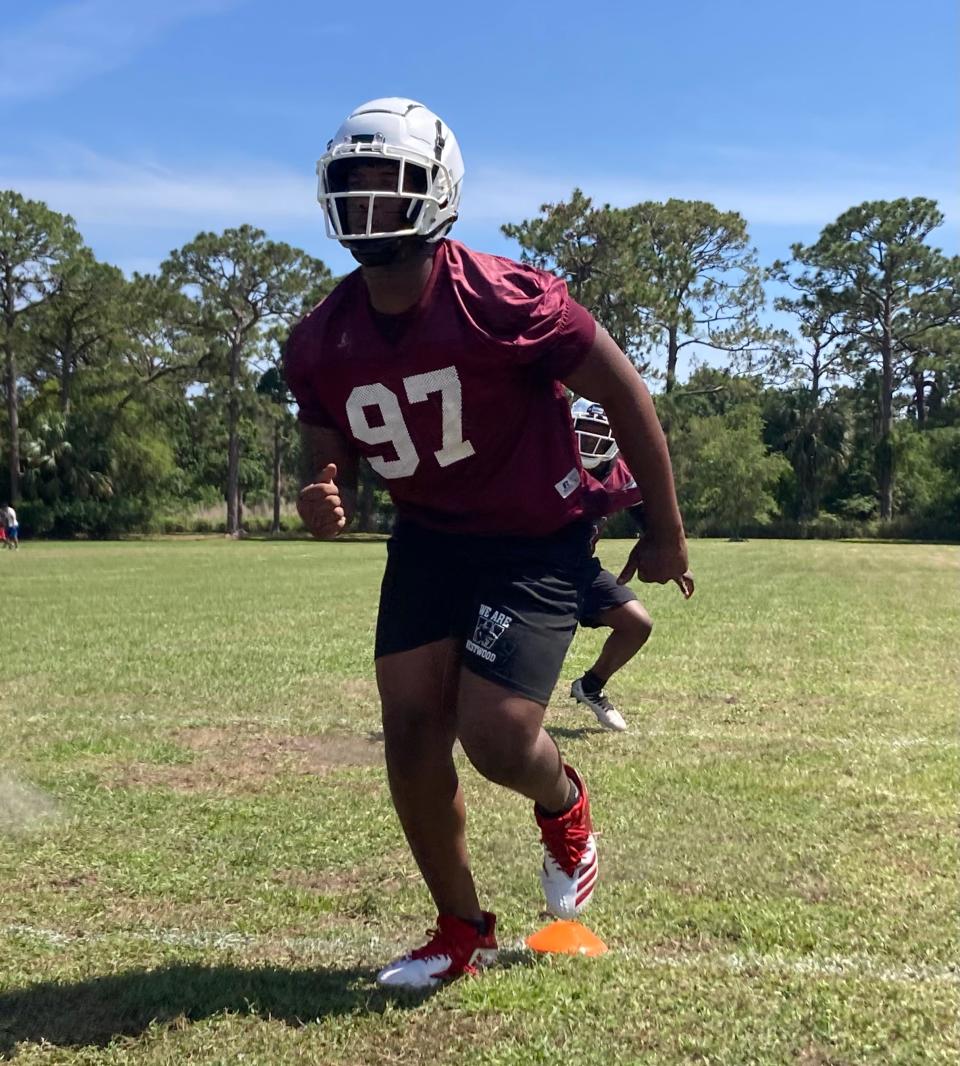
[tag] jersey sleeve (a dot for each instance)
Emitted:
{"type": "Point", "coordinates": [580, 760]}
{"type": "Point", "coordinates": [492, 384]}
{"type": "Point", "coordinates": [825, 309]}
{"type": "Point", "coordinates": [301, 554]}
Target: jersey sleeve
{"type": "Point", "coordinates": [529, 315]}
{"type": "Point", "coordinates": [619, 492]}
{"type": "Point", "coordinates": [553, 330]}
{"type": "Point", "coordinates": [299, 371]}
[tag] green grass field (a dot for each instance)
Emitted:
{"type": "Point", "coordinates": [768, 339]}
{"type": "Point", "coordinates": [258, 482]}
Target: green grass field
{"type": "Point", "coordinates": [199, 861]}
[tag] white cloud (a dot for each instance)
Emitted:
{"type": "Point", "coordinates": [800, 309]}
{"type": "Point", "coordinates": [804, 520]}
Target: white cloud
{"type": "Point", "coordinates": [98, 191]}
{"type": "Point", "coordinates": [80, 40]}
{"type": "Point", "coordinates": [498, 194]}
{"type": "Point", "coordinates": [133, 206]}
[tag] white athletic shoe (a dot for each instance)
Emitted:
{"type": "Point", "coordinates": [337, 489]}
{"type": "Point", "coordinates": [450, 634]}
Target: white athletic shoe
{"type": "Point", "coordinates": [454, 948]}
{"type": "Point", "coordinates": [607, 715]}
{"type": "Point", "coordinates": [570, 864]}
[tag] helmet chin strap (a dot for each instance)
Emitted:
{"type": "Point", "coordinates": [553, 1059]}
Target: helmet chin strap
{"type": "Point", "coordinates": [389, 250]}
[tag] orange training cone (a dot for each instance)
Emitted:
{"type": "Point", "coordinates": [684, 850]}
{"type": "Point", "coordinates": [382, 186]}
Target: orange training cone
{"type": "Point", "coordinates": [566, 938]}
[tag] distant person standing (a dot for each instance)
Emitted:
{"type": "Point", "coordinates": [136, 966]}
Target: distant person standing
{"type": "Point", "coordinates": [13, 530]}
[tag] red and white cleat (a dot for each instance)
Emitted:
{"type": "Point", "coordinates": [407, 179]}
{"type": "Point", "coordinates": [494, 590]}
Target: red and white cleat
{"type": "Point", "coordinates": [570, 865]}
{"type": "Point", "coordinates": [455, 948]}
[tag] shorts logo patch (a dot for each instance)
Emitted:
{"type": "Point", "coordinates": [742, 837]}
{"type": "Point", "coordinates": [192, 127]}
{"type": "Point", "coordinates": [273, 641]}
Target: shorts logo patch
{"type": "Point", "coordinates": [491, 625]}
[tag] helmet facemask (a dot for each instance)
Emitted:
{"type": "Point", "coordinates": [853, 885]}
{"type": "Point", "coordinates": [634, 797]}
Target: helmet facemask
{"type": "Point", "coordinates": [361, 184]}
{"type": "Point", "coordinates": [595, 439]}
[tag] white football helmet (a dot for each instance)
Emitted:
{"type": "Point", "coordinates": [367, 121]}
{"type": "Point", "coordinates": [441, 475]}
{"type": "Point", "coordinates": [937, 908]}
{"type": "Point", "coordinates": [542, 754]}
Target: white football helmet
{"type": "Point", "coordinates": [594, 437]}
{"type": "Point", "coordinates": [429, 178]}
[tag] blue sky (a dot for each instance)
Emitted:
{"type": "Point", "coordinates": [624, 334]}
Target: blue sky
{"type": "Point", "coordinates": [151, 122]}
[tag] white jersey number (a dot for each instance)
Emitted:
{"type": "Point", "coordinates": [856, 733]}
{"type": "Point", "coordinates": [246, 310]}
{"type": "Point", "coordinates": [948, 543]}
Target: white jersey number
{"type": "Point", "coordinates": [393, 429]}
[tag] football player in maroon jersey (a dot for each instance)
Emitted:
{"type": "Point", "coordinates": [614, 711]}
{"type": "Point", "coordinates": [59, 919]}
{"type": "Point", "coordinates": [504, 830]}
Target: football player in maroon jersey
{"type": "Point", "coordinates": [445, 368]}
{"type": "Point", "coordinates": [609, 603]}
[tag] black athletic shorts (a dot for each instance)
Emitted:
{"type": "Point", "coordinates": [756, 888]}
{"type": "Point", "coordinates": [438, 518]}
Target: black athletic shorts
{"type": "Point", "coordinates": [513, 601]}
{"type": "Point", "coordinates": [603, 593]}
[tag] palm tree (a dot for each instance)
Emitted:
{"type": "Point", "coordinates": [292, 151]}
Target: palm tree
{"type": "Point", "coordinates": [815, 439]}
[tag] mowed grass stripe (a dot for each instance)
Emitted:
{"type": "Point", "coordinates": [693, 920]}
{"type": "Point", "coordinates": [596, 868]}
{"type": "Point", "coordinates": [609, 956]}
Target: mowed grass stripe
{"type": "Point", "coordinates": [334, 948]}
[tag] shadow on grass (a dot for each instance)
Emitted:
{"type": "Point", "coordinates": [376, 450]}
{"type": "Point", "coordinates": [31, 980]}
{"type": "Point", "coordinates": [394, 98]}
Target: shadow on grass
{"type": "Point", "coordinates": [287, 535]}
{"type": "Point", "coordinates": [96, 1011]}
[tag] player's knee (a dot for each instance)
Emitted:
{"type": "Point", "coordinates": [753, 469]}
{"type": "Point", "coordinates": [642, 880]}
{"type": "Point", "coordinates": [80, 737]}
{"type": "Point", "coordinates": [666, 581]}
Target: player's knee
{"type": "Point", "coordinates": [409, 742]}
{"type": "Point", "coordinates": [499, 754]}
{"type": "Point", "coordinates": [638, 623]}
{"type": "Point", "coordinates": [496, 764]}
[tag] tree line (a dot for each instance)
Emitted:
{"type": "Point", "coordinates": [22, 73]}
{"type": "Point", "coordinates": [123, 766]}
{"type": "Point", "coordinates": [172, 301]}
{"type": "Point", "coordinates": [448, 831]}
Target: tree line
{"type": "Point", "coordinates": [131, 403]}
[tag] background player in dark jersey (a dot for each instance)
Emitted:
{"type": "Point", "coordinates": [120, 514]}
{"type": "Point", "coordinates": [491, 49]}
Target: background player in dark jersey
{"type": "Point", "coordinates": [608, 603]}
{"type": "Point", "coordinates": [443, 367]}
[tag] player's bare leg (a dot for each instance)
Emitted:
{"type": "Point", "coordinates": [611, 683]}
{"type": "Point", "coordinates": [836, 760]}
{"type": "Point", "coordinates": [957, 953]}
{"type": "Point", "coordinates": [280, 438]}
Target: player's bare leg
{"type": "Point", "coordinates": [503, 736]}
{"type": "Point", "coordinates": [418, 693]}
{"type": "Point", "coordinates": [630, 626]}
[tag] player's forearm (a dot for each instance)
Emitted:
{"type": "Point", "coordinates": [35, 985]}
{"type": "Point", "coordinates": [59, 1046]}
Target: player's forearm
{"type": "Point", "coordinates": [643, 446]}
{"type": "Point", "coordinates": [607, 377]}
{"type": "Point", "coordinates": [638, 516]}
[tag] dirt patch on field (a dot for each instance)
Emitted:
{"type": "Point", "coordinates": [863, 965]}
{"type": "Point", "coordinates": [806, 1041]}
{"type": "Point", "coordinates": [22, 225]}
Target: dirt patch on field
{"type": "Point", "coordinates": [240, 759]}
{"type": "Point", "coordinates": [359, 690]}
{"type": "Point", "coordinates": [812, 1055]}
{"type": "Point", "coordinates": [329, 882]}
{"type": "Point", "coordinates": [31, 885]}
{"type": "Point", "coordinates": [312, 753]}
{"type": "Point", "coordinates": [694, 944]}
{"type": "Point", "coordinates": [84, 880]}
{"type": "Point", "coordinates": [813, 889]}
{"type": "Point", "coordinates": [389, 873]}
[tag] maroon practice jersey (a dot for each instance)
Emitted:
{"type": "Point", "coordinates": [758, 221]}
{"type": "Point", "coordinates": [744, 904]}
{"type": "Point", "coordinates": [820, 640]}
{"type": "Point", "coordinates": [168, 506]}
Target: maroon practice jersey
{"type": "Point", "coordinates": [618, 492]}
{"type": "Point", "coordinates": [619, 488]}
{"type": "Point", "coordinates": [456, 403]}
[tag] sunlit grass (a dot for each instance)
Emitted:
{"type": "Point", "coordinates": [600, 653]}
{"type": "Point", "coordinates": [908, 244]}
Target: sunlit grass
{"type": "Point", "coordinates": [200, 861]}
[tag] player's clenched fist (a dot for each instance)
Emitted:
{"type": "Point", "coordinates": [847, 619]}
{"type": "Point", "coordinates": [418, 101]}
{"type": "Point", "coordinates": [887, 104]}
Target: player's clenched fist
{"type": "Point", "coordinates": [320, 506]}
